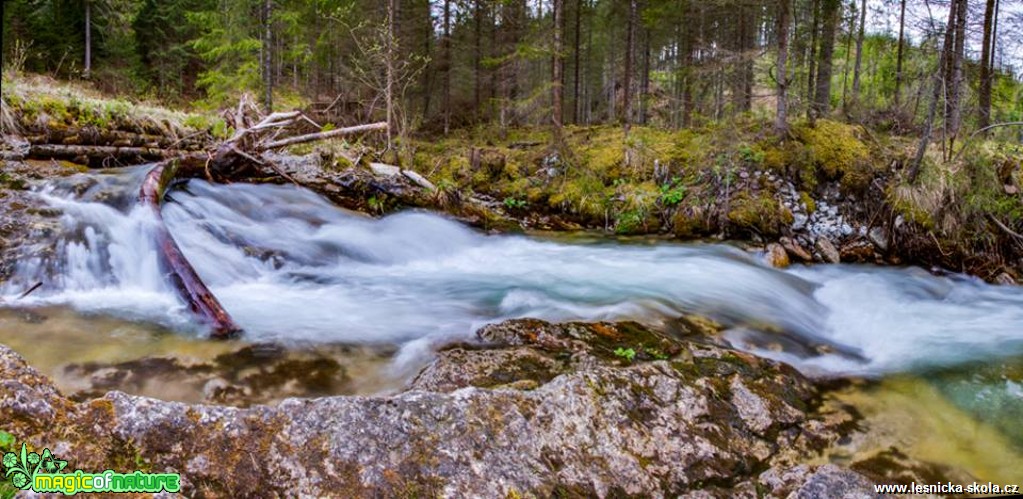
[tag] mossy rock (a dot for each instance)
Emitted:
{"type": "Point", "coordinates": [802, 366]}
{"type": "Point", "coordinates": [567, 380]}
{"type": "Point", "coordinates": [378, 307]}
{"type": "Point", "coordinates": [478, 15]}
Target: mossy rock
{"type": "Point", "coordinates": [838, 153]}
{"type": "Point", "coordinates": [759, 213]}
{"type": "Point", "coordinates": [792, 160]}
{"type": "Point", "coordinates": [807, 200]}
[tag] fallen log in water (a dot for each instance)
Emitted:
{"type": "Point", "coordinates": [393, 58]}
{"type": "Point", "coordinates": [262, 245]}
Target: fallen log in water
{"type": "Point", "coordinates": [225, 161]}
{"type": "Point", "coordinates": [182, 275]}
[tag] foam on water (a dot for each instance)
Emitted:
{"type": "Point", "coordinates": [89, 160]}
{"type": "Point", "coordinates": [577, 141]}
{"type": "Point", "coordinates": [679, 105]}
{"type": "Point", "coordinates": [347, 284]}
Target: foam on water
{"type": "Point", "coordinates": [290, 266]}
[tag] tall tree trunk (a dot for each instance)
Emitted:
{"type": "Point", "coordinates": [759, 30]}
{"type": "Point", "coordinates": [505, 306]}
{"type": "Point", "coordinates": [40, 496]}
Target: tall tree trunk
{"type": "Point", "coordinates": [899, 56]}
{"type": "Point", "coordinates": [644, 83]}
{"type": "Point", "coordinates": [575, 64]}
{"type": "Point", "coordinates": [830, 10]}
{"type": "Point", "coordinates": [391, 57]}
{"type": "Point", "coordinates": [477, 55]}
{"type": "Point", "coordinates": [859, 53]}
{"type": "Point", "coordinates": [492, 53]}
{"type": "Point", "coordinates": [587, 109]}
{"type": "Point", "coordinates": [630, 48]}
{"type": "Point", "coordinates": [988, 46]}
{"type": "Point", "coordinates": [749, 32]}
{"type": "Point", "coordinates": [557, 79]}
{"type": "Point", "coordinates": [268, 99]}
{"type": "Point", "coordinates": [428, 51]}
{"type": "Point", "coordinates": [811, 78]}
{"type": "Point", "coordinates": [446, 57]}
{"type": "Point", "coordinates": [845, 65]}
{"type": "Point", "coordinates": [88, 39]}
{"type": "Point", "coordinates": [689, 50]}
{"type": "Point", "coordinates": [938, 82]}
{"type": "Point", "coordinates": [956, 90]}
{"type": "Point", "coordinates": [781, 124]}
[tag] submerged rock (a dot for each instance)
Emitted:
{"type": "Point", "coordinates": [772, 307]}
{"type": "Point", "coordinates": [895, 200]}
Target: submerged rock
{"type": "Point", "coordinates": [251, 374]}
{"type": "Point", "coordinates": [539, 409]}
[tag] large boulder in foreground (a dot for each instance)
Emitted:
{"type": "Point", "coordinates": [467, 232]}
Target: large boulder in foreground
{"type": "Point", "coordinates": [535, 410]}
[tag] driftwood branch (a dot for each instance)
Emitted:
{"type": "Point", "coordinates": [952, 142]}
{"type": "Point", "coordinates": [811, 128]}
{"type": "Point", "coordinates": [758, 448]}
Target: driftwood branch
{"type": "Point", "coordinates": [313, 137]}
{"type": "Point", "coordinates": [1006, 229]}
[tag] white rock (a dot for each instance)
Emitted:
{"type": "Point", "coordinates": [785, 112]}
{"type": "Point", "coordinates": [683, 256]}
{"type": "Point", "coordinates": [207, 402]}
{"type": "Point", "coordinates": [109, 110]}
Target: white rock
{"type": "Point", "coordinates": [798, 221]}
{"type": "Point", "coordinates": [418, 179]}
{"type": "Point", "coordinates": [384, 170]}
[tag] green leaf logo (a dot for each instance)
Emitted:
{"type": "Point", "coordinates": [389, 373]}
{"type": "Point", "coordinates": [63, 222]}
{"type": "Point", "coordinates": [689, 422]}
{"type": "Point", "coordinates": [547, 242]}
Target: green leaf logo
{"type": "Point", "coordinates": [20, 469]}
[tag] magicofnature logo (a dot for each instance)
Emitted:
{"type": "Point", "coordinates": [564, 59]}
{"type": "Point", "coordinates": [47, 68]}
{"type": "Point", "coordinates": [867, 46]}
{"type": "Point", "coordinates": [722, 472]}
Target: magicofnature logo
{"type": "Point", "coordinates": [44, 473]}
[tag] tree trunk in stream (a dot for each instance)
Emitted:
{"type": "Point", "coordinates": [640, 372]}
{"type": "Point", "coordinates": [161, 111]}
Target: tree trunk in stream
{"type": "Point", "coordinates": [174, 264]}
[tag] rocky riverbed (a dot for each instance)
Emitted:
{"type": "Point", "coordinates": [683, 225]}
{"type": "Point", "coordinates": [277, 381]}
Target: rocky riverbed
{"type": "Point", "coordinates": [531, 409]}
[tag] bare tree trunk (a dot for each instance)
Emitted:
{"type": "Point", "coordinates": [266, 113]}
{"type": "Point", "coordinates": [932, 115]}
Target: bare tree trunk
{"type": "Point", "coordinates": [644, 85]}
{"type": "Point", "coordinates": [956, 88]}
{"type": "Point", "coordinates": [88, 40]}
{"type": "Point", "coordinates": [811, 78]}
{"type": "Point", "coordinates": [830, 10]}
{"type": "Point", "coordinates": [587, 109]}
{"type": "Point", "coordinates": [859, 53]}
{"type": "Point", "coordinates": [899, 56]}
{"type": "Point", "coordinates": [575, 56]}
{"type": "Point", "coordinates": [268, 100]}
{"type": "Point", "coordinates": [988, 48]}
{"type": "Point", "coordinates": [689, 75]}
{"type": "Point", "coordinates": [428, 73]}
{"type": "Point", "coordinates": [932, 110]}
{"type": "Point", "coordinates": [630, 48]}
{"type": "Point", "coordinates": [557, 68]}
{"type": "Point", "coordinates": [391, 56]}
{"type": "Point", "coordinates": [477, 55]}
{"type": "Point", "coordinates": [781, 124]}
{"type": "Point", "coordinates": [446, 48]}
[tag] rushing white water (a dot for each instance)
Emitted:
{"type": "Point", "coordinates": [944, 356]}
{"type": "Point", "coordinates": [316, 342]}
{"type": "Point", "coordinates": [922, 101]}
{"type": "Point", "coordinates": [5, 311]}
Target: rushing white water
{"type": "Point", "coordinates": [290, 266]}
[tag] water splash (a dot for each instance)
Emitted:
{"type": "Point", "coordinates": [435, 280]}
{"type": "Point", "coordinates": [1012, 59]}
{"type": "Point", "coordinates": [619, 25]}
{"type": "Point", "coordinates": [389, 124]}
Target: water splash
{"type": "Point", "coordinates": [291, 267]}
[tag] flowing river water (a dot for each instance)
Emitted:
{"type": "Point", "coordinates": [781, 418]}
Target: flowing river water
{"type": "Point", "coordinates": [942, 356]}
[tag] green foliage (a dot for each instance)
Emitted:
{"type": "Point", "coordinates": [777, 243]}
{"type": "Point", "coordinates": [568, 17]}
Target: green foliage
{"type": "Point", "coordinates": [515, 204]}
{"type": "Point", "coordinates": [673, 192]}
{"type": "Point", "coordinates": [376, 204]}
{"type": "Point", "coordinates": [751, 154]}
{"type": "Point", "coordinates": [228, 43]}
{"type": "Point", "coordinates": [7, 442]}
{"type": "Point", "coordinates": [626, 353]}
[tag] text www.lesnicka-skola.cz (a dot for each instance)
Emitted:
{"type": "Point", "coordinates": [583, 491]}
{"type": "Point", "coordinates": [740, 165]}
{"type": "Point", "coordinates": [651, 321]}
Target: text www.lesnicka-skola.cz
{"type": "Point", "coordinates": [947, 488]}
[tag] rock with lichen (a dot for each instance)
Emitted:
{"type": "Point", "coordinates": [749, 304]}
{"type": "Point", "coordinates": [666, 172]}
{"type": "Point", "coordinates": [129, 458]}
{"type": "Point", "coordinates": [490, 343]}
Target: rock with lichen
{"type": "Point", "coordinates": [534, 409]}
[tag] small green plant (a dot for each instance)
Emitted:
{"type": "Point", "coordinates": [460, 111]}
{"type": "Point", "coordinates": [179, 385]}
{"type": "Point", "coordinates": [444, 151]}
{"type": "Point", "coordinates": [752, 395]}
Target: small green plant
{"type": "Point", "coordinates": [751, 155]}
{"type": "Point", "coordinates": [626, 353]}
{"type": "Point", "coordinates": [673, 192]}
{"type": "Point", "coordinates": [629, 222]}
{"type": "Point", "coordinates": [514, 203]}
{"type": "Point", "coordinates": [376, 204]}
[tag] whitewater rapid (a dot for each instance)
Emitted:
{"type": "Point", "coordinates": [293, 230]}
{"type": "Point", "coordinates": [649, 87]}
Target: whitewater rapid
{"type": "Point", "coordinates": [289, 266]}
